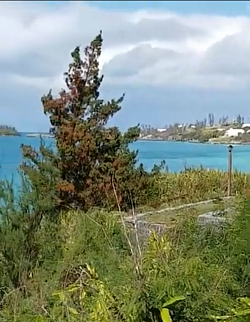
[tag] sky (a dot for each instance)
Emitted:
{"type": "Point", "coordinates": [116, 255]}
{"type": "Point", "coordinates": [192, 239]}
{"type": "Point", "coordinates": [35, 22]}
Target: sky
{"type": "Point", "coordinates": [175, 61]}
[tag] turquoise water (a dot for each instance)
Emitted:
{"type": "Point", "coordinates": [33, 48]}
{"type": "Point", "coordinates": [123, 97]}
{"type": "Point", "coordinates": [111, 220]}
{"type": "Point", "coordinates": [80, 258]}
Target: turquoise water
{"type": "Point", "coordinates": [176, 154]}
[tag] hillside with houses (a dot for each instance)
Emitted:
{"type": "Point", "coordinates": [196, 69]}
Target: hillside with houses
{"type": "Point", "coordinates": [6, 130]}
{"type": "Point", "coordinates": [206, 131]}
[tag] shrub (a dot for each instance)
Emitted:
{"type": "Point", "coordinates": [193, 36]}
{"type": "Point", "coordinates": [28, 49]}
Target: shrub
{"type": "Point", "coordinates": [202, 272]}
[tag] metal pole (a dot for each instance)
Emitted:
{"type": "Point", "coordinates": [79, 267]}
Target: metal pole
{"type": "Point", "coordinates": [229, 191]}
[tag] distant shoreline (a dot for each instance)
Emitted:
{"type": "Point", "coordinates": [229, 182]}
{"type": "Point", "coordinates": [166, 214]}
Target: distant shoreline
{"type": "Point", "coordinates": [36, 135]}
{"type": "Point", "coordinates": [196, 142]}
{"type": "Point", "coordinates": [12, 134]}
{"type": "Point", "coordinates": [47, 135]}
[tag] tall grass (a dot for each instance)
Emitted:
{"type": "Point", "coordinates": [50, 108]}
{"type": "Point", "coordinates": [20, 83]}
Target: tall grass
{"type": "Point", "coordinates": [191, 185]}
{"type": "Point", "coordinates": [92, 277]}
{"type": "Point", "coordinates": [80, 266]}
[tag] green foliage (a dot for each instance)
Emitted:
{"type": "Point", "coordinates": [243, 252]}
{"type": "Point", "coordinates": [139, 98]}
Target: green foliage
{"type": "Point", "coordinates": [202, 135]}
{"type": "Point", "coordinates": [242, 310]}
{"type": "Point", "coordinates": [196, 184]}
{"type": "Point", "coordinates": [165, 312]}
{"type": "Point", "coordinates": [85, 272]}
{"type": "Point", "coordinates": [27, 220]}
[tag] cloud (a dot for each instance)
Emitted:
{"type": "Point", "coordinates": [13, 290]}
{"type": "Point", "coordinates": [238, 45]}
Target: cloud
{"type": "Point", "coordinates": [150, 29]}
{"type": "Point", "coordinates": [230, 56]}
{"type": "Point", "coordinates": [212, 53]}
{"type": "Point", "coordinates": [138, 59]}
{"type": "Point", "coordinates": [142, 49]}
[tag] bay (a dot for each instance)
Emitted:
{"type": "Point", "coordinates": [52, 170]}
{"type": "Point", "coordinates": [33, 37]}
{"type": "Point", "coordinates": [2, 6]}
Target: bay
{"type": "Point", "coordinates": [176, 154]}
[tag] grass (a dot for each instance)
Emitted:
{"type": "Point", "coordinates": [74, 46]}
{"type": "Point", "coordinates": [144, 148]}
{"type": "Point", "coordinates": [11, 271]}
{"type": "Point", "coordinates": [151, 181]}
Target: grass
{"type": "Point", "coordinates": [192, 185]}
{"type": "Point", "coordinates": [173, 216]}
{"type": "Point", "coordinates": [204, 269]}
{"type": "Point", "coordinates": [202, 266]}
{"type": "Point", "coordinates": [62, 285]}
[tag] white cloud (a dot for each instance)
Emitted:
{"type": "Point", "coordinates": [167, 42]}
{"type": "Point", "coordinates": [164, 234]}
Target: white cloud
{"type": "Point", "coordinates": [36, 41]}
{"type": "Point", "coordinates": [161, 49]}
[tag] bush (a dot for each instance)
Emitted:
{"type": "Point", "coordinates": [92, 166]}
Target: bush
{"type": "Point", "coordinates": [94, 277]}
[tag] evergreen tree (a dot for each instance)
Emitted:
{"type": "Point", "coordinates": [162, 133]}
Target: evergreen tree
{"type": "Point", "coordinates": [95, 165]}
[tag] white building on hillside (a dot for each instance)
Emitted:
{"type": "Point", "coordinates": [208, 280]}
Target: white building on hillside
{"type": "Point", "coordinates": [246, 125]}
{"type": "Point", "coordinates": [161, 130]}
{"type": "Point", "coordinates": [234, 132]}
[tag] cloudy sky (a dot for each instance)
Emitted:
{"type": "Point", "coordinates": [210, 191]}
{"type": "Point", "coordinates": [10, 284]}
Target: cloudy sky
{"type": "Point", "coordinates": [176, 61]}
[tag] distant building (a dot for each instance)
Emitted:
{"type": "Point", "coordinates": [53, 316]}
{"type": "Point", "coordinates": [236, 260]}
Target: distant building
{"type": "Point", "coordinates": [246, 125]}
{"type": "Point", "coordinates": [161, 130]}
{"type": "Point", "coordinates": [147, 137]}
{"type": "Point", "coordinates": [234, 132]}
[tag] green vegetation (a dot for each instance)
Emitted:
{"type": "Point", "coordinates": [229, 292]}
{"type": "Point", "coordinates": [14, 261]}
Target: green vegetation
{"type": "Point", "coordinates": [6, 130]}
{"type": "Point", "coordinates": [195, 133]}
{"type": "Point", "coordinates": [202, 135]}
{"type": "Point", "coordinates": [73, 279]}
{"type": "Point", "coordinates": [192, 185]}
{"type": "Point", "coordinates": [201, 131]}
{"type": "Point", "coordinates": [66, 252]}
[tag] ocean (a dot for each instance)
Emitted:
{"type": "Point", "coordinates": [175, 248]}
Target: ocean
{"type": "Point", "coordinates": [176, 154]}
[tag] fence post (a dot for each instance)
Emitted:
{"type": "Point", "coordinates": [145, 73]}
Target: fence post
{"type": "Point", "coordinates": [229, 189]}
